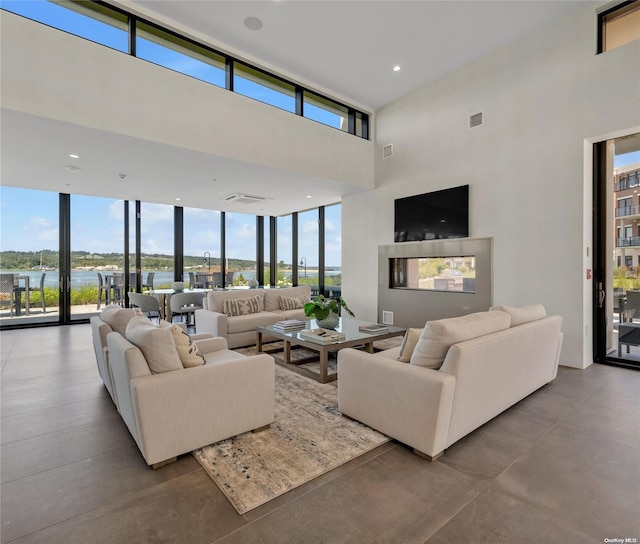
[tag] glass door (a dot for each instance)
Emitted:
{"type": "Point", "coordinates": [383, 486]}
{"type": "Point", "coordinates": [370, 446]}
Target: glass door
{"type": "Point", "coordinates": [617, 250]}
{"type": "Point", "coordinates": [29, 257]}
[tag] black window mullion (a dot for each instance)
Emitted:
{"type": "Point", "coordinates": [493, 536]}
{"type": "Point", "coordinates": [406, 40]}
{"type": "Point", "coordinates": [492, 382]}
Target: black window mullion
{"type": "Point", "coordinates": [299, 101]}
{"type": "Point", "coordinates": [273, 251]}
{"type": "Point", "coordinates": [229, 74]}
{"type": "Point", "coordinates": [132, 36]}
{"type": "Point", "coordinates": [321, 243]}
{"type": "Point", "coordinates": [178, 243]}
{"type": "Point", "coordinates": [260, 249]}
{"type": "Point", "coordinates": [138, 242]}
{"type": "Point", "coordinates": [223, 248]}
{"type": "Point", "coordinates": [64, 260]}
{"type": "Point", "coordinates": [351, 120]}
{"type": "Point", "coordinates": [294, 248]}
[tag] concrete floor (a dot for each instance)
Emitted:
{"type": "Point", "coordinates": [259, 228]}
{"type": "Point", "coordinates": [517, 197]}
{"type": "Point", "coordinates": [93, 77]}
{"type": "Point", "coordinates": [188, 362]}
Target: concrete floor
{"type": "Point", "coordinates": [562, 466]}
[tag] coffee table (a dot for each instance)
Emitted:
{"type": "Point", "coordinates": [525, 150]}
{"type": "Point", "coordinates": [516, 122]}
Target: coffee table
{"type": "Point", "coordinates": [348, 326]}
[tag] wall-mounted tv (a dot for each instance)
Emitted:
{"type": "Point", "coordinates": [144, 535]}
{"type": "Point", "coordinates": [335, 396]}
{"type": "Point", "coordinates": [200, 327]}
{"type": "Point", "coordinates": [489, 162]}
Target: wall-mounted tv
{"type": "Point", "coordinates": [432, 216]}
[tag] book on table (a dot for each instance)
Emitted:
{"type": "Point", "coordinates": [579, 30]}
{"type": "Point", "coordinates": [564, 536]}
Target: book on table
{"type": "Point", "coordinates": [322, 336]}
{"type": "Point", "coordinates": [289, 325]}
{"type": "Point", "coordinates": [373, 328]}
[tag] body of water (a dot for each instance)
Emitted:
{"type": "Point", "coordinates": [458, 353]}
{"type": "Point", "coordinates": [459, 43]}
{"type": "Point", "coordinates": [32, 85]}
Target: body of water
{"type": "Point", "coordinates": [82, 278]}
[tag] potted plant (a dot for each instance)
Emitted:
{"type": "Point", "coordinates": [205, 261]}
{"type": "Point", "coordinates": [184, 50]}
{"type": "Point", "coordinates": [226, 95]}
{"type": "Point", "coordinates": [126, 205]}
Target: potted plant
{"type": "Point", "coordinates": [326, 310]}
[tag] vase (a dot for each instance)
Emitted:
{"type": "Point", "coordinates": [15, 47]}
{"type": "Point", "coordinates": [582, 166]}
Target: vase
{"type": "Point", "coordinates": [178, 286]}
{"type": "Point", "coordinates": [252, 283]}
{"type": "Point", "coordinates": [329, 322]}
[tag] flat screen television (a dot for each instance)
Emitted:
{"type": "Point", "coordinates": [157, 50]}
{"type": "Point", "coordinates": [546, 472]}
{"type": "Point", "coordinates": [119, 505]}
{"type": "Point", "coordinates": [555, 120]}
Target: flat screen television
{"type": "Point", "coordinates": [432, 216]}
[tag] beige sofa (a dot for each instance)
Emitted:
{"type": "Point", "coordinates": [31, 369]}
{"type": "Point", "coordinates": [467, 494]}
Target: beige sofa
{"type": "Point", "coordinates": [173, 401]}
{"type": "Point", "coordinates": [462, 373]}
{"type": "Point", "coordinates": [235, 314]}
{"type": "Point", "coordinates": [115, 318]}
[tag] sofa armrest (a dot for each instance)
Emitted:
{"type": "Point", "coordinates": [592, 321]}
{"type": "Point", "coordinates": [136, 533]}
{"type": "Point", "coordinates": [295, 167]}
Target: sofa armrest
{"type": "Point", "coordinates": [409, 403]}
{"type": "Point", "coordinates": [212, 322]}
{"type": "Point", "coordinates": [177, 412]}
{"type": "Point", "coordinates": [208, 343]}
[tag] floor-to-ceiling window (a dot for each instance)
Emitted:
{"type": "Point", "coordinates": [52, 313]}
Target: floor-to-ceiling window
{"type": "Point", "coordinates": [201, 245]}
{"type": "Point", "coordinates": [156, 236]}
{"type": "Point", "coordinates": [240, 248]}
{"type": "Point", "coordinates": [333, 251]}
{"type": "Point", "coordinates": [284, 251]}
{"type": "Point", "coordinates": [617, 251]}
{"type": "Point", "coordinates": [308, 249]}
{"type": "Point", "coordinates": [29, 252]}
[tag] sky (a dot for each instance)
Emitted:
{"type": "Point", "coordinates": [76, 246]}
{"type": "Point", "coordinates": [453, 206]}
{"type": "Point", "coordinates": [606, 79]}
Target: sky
{"type": "Point", "coordinates": [91, 216]}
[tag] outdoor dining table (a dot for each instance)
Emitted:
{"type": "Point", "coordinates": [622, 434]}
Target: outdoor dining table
{"type": "Point", "coordinates": [164, 298]}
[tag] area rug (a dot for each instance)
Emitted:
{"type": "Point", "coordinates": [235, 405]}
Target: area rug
{"type": "Point", "coordinates": [308, 438]}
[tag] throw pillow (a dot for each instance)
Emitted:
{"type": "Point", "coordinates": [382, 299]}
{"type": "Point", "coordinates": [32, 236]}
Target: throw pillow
{"type": "Point", "coordinates": [524, 314]}
{"type": "Point", "coordinates": [242, 306]}
{"type": "Point", "coordinates": [118, 317]}
{"type": "Point", "coordinates": [157, 345]}
{"type": "Point", "coordinates": [409, 343]}
{"type": "Point", "coordinates": [187, 350]}
{"type": "Point", "coordinates": [439, 335]}
{"type": "Point", "coordinates": [293, 303]}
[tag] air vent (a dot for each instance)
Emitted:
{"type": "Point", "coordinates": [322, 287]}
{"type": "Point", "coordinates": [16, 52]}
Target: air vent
{"type": "Point", "coordinates": [387, 151]}
{"type": "Point", "coordinates": [243, 199]}
{"type": "Point", "coordinates": [475, 120]}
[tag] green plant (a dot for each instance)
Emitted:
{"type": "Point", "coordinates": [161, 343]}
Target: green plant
{"type": "Point", "coordinates": [320, 307]}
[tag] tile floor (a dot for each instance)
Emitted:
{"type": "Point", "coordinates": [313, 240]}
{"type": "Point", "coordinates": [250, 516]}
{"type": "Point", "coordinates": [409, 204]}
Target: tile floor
{"type": "Point", "coordinates": [562, 466]}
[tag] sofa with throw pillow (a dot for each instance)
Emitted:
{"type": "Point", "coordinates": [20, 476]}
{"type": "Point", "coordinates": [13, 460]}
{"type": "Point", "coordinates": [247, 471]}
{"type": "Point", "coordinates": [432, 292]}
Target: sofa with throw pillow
{"type": "Point", "coordinates": [235, 314]}
{"type": "Point", "coordinates": [176, 395]}
{"type": "Point", "coordinates": [451, 377]}
{"type": "Point", "coordinates": [116, 318]}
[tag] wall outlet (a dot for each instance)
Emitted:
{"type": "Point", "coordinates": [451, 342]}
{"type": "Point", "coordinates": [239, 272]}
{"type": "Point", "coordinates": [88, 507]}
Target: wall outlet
{"type": "Point", "coordinates": [387, 318]}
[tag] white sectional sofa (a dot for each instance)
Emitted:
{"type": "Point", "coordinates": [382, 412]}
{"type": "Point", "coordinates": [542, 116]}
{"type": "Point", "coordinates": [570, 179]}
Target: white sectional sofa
{"type": "Point", "coordinates": [235, 314]}
{"type": "Point", "coordinates": [463, 372]}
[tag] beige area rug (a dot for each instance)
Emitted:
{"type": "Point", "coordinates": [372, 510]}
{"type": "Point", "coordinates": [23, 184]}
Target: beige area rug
{"type": "Point", "coordinates": [308, 438]}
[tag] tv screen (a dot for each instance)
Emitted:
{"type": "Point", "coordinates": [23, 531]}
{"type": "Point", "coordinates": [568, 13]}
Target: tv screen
{"type": "Point", "coordinates": [433, 216]}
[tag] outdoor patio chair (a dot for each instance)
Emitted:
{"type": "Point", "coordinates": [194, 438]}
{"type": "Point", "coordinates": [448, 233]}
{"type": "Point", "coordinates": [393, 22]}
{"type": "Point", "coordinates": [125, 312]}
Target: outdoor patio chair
{"type": "Point", "coordinates": [149, 283]}
{"type": "Point", "coordinates": [9, 290]}
{"type": "Point", "coordinates": [186, 304]}
{"type": "Point", "coordinates": [39, 288]}
{"type": "Point", "coordinates": [632, 305]}
{"type": "Point", "coordinates": [147, 304]}
{"type": "Point", "coordinates": [103, 287]}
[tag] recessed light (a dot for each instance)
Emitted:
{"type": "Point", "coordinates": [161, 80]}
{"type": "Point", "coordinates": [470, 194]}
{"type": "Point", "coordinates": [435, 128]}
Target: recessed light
{"type": "Point", "coordinates": [253, 23]}
{"type": "Point", "coordinates": [178, 199]}
{"type": "Point", "coordinates": [309, 196]}
{"type": "Point", "coordinates": [74, 156]}
{"type": "Point", "coordinates": [396, 68]}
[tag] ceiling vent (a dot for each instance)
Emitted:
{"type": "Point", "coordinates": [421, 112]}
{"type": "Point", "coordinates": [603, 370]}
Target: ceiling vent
{"type": "Point", "coordinates": [243, 199]}
{"type": "Point", "coordinates": [476, 120]}
{"type": "Point", "coordinates": [387, 151]}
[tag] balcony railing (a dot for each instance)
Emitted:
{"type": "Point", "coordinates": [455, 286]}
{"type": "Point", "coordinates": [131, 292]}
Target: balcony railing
{"type": "Point", "coordinates": [627, 210]}
{"type": "Point", "coordinates": [632, 241]}
{"type": "Point", "coordinates": [626, 184]}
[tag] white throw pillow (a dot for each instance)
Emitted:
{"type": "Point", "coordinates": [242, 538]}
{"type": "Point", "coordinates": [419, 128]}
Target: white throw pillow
{"type": "Point", "coordinates": [439, 335]}
{"type": "Point", "coordinates": [157, 345]}
{"type": "Point", "coordinates": [293, 303]}
{"type": "Point", "coordinates": [187, 350]}
{"type": "Point", "coordinates": [524, 314]}
{"type": "Point", "coordinates": [409, 343]}
{"type": "Point", "coordinates": [118, 317]}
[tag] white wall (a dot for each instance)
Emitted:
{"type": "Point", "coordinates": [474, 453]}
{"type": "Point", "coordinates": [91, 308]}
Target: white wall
{"type": "Point", "coordinates": [542, 98]}
{"type": "Point", "coordinates": [52, 74]}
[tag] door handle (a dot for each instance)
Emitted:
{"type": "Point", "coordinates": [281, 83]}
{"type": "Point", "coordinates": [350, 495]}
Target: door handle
{"type": "Point", "coordinates": [601, 295]}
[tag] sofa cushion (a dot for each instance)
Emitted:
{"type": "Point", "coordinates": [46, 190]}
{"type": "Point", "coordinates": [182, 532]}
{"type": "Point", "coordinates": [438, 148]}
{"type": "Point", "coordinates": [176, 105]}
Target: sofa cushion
{"type": "Point", "coordinates": [524, 314]}
{"type": "Point", "coordinates": [243, 306]}
{"type": "Point", "coordinates": [439, 335]}
{"type": "Point", "coordinates": [188, 352]}
{"type": "Point", "coordinates": [293, 303]}
{"type": "Point", "coordinates": [409, 343]}
{"type": "Point", "coordinates": [272, 296]}
{"type": "Point", "coordinates": [216, 299]}
{"type": "Point", "coordinates": [244, 323]}
{"type": "Point", "coordinates": [118, 317]}
{"type": "Point", "coordinates": [157, 345]}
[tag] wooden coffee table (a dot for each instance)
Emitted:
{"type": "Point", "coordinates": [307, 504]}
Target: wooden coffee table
{"type": "Point", "coordinates": [348, 326]}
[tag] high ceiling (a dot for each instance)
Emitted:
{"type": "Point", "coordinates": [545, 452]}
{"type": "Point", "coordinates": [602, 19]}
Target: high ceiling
{"type": "Point", "coordinates": [346, 49]}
